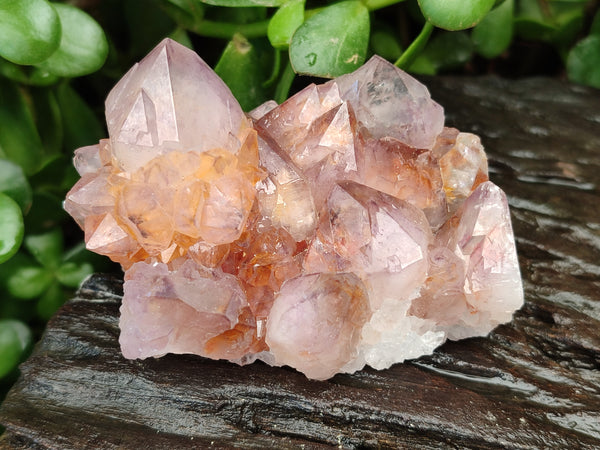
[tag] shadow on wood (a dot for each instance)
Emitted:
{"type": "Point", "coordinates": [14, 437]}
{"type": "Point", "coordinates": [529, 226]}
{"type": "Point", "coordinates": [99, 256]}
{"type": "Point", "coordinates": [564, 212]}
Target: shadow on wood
{"type": "Point", "coordinates": [533, 383]}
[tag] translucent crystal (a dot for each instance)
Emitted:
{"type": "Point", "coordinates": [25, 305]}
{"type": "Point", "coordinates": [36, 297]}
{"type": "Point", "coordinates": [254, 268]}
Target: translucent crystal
{"type": "Point", "coordinates": [164, 103]}
{"type": "Point", "coordinates": [346, 226]}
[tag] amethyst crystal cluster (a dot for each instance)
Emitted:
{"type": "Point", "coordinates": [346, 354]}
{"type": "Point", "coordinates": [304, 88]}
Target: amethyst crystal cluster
{"type": "Point", "coordinates": [346, 226]}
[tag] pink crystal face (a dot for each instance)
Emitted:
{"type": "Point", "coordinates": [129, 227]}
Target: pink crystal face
{"type": "Point", "coordinates": [344, 227]}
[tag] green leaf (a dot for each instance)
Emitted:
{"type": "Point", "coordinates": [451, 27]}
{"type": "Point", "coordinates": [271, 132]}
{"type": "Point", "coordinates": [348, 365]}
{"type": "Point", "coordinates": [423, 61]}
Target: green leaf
{"type": "Point", "coordinates": [285, 22]}
{"type": "Point", "coordinates": [29, 30]}
{"type": "Point", "coordinates": [595, 28]}
{"type": "Point", "coordinates": [30, 75]}
{"type": "Point", "coordinates": [11, 227]}
{"type": "Point", "coordinates": [29, 281]}
{"type": "Point", "coordinates": [445, 51]}
{"type": "Point", "coordinates": [240, 70]}
{"type": "Point", "coordinates": [238, 3]}
{"type": "Point", "coordinates": [184, 12]}
{"type": "Point", "coordinates": [493, 34]}
{"type": "Point", "coordinates": [81, 126]}
{"type": "Point", "coordinates": [532, 29]}
{"type": "Point", "coordinates": [83, 46]}
{"type": "Point", "coordinates": [14, 184]}
{"type": "Point", "coordinates": [48, 119]}
{"type": "Point", "coordinates": [385, 44]}
{"type": "Point", "coordinates": [46, 248]}
{"type": "Point", "coordinates": [583, 62]}
{"type": "Point", "coordinates": [71, 274]}
{"type": "Point", "coordinates": [332, 42]}
{"type": "Point", "coordinates": [556, 22]}
{"type": "Point", "coordinates": [50, 301]}
{"type": "Point", "coordinates": [15, 338]}
{"type": "Point", "coordinates": [240, 15]}
{"type": "Point", "coordinates": [182, 36]}
{"type": "Point", "coordinates": [19, 140]}
{"type": "Point", "coordinates": [455, 15]}
{"type": "Point", "coordinates": [147, 25]}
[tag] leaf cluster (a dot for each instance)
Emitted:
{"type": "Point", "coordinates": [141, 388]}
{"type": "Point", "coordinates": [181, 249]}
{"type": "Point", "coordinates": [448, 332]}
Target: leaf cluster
{"type": "Point", "coordinates": [43, 46]}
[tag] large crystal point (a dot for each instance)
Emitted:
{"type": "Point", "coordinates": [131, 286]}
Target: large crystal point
{"type": "Point", "coordinates": [316, 321]}
{"type": "Point", "coordinates": [346, 226]}
{"type": "Point", "coordinates": [177, 311]}
{"type": "Point", "coordinates": [171, 100]}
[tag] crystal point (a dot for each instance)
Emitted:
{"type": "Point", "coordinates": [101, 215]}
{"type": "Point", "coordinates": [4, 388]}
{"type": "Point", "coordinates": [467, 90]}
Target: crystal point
{"type": "Point", "coordinates": [346, 226]}
{"type": "Point", "coordinates": [163, 103]}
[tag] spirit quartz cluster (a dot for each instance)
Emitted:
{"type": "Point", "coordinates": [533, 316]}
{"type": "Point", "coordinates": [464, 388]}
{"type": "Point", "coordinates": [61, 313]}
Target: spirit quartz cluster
{"type": "Point", "coordinates": [346, 226]}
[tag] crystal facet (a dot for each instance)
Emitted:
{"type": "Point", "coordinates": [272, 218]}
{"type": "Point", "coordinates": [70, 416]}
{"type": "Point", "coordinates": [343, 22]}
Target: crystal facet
{"type": "Point", "coordinates": [346, 226]}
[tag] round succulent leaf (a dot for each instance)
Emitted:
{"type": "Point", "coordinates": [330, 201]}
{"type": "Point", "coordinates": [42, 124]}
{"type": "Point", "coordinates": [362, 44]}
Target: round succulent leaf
{"type": "Point", "coordinates": [583, 62]}
{"type": "Point", "coordinates": [83, 46]}
{"type": "Point", "coordinates": [285, 22]}
{"type": "Point", "coordinates": [11, 227]}
{"type": "Point", "coordinates": [46, 248]}
{"type": "Point", "coordinates": [14, 184]}
{"type": "Point", "coordinates": [15, 338]}
{"type": "Point", "coordinates": [19, 139]}
{"type": "Point", "coordinates": [493, 34]}
{"type": "Point", "coordinates": [30, 30]}
{"type": "Point", "coordinates": [455, 15]}
{"type": "Point", "coordinates": [29, 281]}
{"type": "Point", "coordinates": [71, 274]}
{"type": "Point", "coordinates": [332, 42]}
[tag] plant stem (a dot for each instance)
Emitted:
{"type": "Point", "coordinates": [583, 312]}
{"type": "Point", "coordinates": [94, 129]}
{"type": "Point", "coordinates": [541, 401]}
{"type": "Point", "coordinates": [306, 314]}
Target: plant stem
{"type": "Point", "coordinates": [225, 30]}
{"type": "Point", "coordinates": [285, 83]}
{"type": "Point", "coordinates": [415, 47]}
{"type": "Point", "coordinates": [276, 68]}
{"type": "Point", "coordinates": [372, 5]}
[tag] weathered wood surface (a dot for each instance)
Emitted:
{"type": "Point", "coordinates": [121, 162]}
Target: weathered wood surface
{"type": "Point", "coordinates": [534, 383]}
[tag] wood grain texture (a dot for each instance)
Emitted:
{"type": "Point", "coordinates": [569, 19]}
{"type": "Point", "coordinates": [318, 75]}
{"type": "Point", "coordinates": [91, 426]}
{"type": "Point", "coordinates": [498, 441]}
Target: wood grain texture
{"type": "Point", "coordinates": [533, 383]}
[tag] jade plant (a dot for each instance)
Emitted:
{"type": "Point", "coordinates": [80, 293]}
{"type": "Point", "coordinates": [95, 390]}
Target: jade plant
{"type": "Point", "coordinates": [57, 63]}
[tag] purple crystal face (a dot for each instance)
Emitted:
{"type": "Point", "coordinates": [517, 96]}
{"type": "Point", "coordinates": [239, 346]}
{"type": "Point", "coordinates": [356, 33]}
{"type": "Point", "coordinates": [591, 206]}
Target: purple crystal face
{"type": "Point", "coordinates": [170, 101]}
{"type": "Point", "coordinates": [343, 227]}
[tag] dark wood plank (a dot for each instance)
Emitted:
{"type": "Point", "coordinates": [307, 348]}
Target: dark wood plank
{"type": "Point", "coordinates": [533, 383]}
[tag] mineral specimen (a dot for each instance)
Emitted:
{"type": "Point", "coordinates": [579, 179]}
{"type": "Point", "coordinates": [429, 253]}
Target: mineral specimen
{"type": "Point", "coordinates": [346, 226]}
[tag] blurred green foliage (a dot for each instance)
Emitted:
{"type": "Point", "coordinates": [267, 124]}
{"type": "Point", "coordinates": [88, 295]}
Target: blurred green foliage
{"type": "Point", "coordinates": [58, 60]}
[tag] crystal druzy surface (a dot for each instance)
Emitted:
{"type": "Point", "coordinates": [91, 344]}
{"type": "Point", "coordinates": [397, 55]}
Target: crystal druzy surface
{"type": "Point", "coordinates": [346, 226]}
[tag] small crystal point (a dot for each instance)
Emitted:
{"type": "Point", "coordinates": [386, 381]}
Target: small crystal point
{"type": "Point", "coordinates": [389, 102]}
{"type": "Point", "coordinates": [346, 226]}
